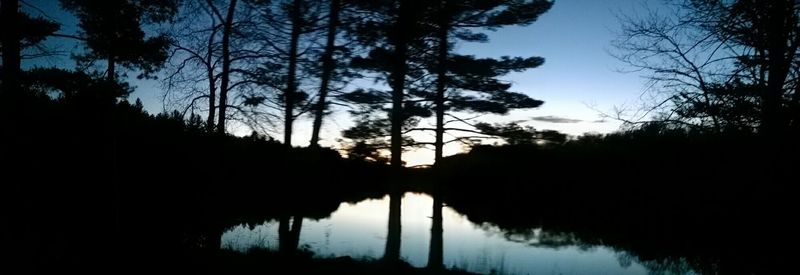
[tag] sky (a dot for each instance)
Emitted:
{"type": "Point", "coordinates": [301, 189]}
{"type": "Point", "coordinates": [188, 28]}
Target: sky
{"type": "Point", "coordinates": [578, 81]}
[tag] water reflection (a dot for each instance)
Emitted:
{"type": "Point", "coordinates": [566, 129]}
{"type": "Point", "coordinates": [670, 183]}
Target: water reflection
{"type": "Point", "coordinates": [360, 230]}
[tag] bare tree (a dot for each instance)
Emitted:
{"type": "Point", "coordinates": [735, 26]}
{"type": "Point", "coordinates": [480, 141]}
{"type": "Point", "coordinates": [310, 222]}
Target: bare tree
{"type": "Point", "coordinates": [197, 65]}
{"type": "Point", "coordinates": [716, 65]}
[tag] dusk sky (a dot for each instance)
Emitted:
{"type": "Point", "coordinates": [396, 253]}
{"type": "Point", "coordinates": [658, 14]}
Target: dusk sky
{"type": "Point", "coordinates": [578, 77]}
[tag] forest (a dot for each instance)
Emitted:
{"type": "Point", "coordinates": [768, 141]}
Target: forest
{"type": "Point", "coordinates": [94, 183]}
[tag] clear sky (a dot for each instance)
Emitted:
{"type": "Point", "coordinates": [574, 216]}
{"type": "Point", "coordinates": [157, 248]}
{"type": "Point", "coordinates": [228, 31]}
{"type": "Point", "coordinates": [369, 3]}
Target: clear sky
{"type": "Point", "coordinates": [578, 77]}
{"type": "Point", "coordinates": [579, 74]}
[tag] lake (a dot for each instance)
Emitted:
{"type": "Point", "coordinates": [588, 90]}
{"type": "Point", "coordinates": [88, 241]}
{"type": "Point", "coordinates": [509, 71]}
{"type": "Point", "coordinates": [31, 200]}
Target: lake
{"type": "Point", "coordinates": [359, 231]}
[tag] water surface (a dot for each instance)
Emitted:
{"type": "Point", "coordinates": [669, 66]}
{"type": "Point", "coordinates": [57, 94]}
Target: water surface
{"type": "Point", "coordinates": [359, 230]}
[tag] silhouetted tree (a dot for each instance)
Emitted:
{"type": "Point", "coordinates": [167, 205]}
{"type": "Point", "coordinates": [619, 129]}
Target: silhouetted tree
{"type": "Point", "coordinates": [716, 60]}
{"type": "Point", "coordinates": [290, 33]}
{"type": "Point", "coordinates": [11, 47]}
{"type": "Point", "coordinates": [298, 12]}
{"type": "Point", "coordinates": [196, 56]}
{"type": "Point", "coordinates": [395, 32]}
{"type": "Point", "coordinates": [462, 74]}
{"type": "Point", "coordinates": [473, 83]}
{"type": "Point", "coordinates": [197, 59]}
{"type": "Point", "coordinates": [26, 35]}
{"type": "Point", "coordinates": [227, 30]}
{"type": "Point", "coordinates": [112, 30]}
{"type": "Point", "coordinates": [328, 68]}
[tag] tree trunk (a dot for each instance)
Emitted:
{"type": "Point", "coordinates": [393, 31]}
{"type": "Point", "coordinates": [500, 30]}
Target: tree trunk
{"type": "Point", "coordinates": [112, 68]}
{"type": "Point", "coordinates": [284, 235]}
{"type": "Point", "coordinates": [397, 78]}
{"type": "Point", "coordinates": [212, 85]}
{"type": "Point", "coordinates": [226, 66]}
{"type": "Point", "coordinates": [441, 83]}
{"type": "Point", "coordinates": [780, 25]}
{"type": "Point", "coordinates": [289, 233]}
{"type": "Point", "coordinates": [291, 78]}
{"type": "Point", "coordinates": [392, 252]}
{"type": "Point", "coordinates": [436, 249]}
{"type": "Point", "coordinates": [297, 226]}
{"type": "Point", "coordinates": [10, 194]}
{"type": "Point", "coordinates": [11, 48]}
{"type": "Point", "coordinates": [436, 252]}
{"type": "Point", "coordinates": [327, 71]}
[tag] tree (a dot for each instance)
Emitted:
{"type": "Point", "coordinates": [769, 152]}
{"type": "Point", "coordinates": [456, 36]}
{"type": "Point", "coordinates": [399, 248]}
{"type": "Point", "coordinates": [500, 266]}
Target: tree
{"type": "Point", "coordinates": [716, 62]}
{"type": "Point", "coordinates": [227, 30]}
{"type": "Point", "coordinates": [196, 57]}
{"type": "Point", "coordinates": [9, 9]}
{"type": "Point", "coordinates": [194, 81]}
{"type": "Point", "coordinates": [395, 32]}
{"type": "Point", "coordinates": [112, 30]}
{"type": "Point", "coordinates": [15, 45]}
{"type": "Point", "coordinates": [289, 33]}
{"type": "Point", "coordinates": [328, 67]}
{"type": "Point", "coordinates": [300, 19]}
{"type": "Point", "coordinates": [463, 74]}
{"type": "Point", "coordinates": [473, 83]}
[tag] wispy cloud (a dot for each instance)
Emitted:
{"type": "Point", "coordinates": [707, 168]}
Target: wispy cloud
{"type": "Point", "coordinates": [555, 119]}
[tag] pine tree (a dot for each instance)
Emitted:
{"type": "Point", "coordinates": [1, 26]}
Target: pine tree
{"type": "Point", "coordinates": [112, 30]}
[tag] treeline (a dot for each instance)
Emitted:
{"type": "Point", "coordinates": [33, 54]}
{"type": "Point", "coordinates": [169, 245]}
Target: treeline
{"type": "Point", "coordinates": [720, 203]}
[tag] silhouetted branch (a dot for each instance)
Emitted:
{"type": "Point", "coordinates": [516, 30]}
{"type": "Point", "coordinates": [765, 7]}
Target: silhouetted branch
{"type": "Point", "coordinates": [68, 36]}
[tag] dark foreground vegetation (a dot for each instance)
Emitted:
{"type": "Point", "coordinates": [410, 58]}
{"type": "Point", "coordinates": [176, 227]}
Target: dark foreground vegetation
{"type": "Point", "coordinates": [142, 192]}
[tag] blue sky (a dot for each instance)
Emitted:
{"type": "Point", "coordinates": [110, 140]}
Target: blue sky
{"type": "Point", "coordinates": [578, 78]}
{"type": "Point", "coordinates": [574, 38]}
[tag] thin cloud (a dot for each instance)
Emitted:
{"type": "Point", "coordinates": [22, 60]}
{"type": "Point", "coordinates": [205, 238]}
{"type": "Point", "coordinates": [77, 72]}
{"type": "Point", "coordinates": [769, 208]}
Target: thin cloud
{"type": "Point", "coordinates": [555, 119]}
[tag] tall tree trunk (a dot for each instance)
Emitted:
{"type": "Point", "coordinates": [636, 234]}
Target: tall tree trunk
{"type": "Point", "coordinates": [436, 249]}
{"type": "Point", "coordinates": [11, 48]}
{"type": "Point", "coordinates": [397, 77]}
{"type": "Point", "coordinates": [212, 85]}
{"type": "Point", "coordinates": [780, 24]}
{"type": "Point", "coordinates": [212, 108]}
{"type": "Point", "coordinates": [226, 66]}
{"type": "Point", "coordinates": [441, 82]}
{"type": "Point", "coordinates": [291, 78]}
{"type": "Point", "coordinates": [10, 194]}
{"type": "Point", "coordinates": [327, 71]}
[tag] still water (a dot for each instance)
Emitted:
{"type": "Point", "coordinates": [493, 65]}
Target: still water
{"type": "Point", "coordinates": [359, 231]}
